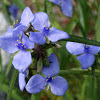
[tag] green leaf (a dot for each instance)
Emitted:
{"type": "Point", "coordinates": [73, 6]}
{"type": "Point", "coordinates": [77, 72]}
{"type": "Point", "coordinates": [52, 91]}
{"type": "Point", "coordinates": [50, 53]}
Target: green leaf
{"type": "Point", "coordinates": [98, 26]}
{"type": "Point", "coordinates": [84, 15]}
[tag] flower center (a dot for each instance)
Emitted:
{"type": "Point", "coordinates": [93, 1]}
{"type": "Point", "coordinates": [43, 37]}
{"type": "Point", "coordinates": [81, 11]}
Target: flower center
{"type": "Point", "coordinates": [49, 78]}
{"type": "Point", "coordinates": [86, 48]}
{"type": "Point", "coordinates": [46, 30]}
{"type": "Point", "coordinates": [20, 45]}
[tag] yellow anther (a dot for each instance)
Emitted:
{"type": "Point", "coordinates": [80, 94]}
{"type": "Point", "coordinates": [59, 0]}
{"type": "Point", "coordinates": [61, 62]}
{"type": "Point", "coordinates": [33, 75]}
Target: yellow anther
{"type": "Point", "coordinates": [15, 44]}
{"type": "Point", "coordinates": [46, 28]}
{"type": "Point", "coordinates": [49, 77]}
{"type": "Point", "coordinates": [17, 40]}
{"type": "Point", "coordinates": [50, 28]}
{"type": "Point", "coordinates": [17, 20]}
{"type": "Point", "coordinates": [43, 25]}
{"type": "Point", "coordinates": [21, 45]}
{"type": "Point", "coordinates": [20, 42]}
{"type": "Point", "coordinates": [14, 23]}
{"type": "Point", "coordinates": [48, 22]}
{"type": "Point", "coordinates": [52, 78]}
{"type": "Point", "coordinates": [46, 79]}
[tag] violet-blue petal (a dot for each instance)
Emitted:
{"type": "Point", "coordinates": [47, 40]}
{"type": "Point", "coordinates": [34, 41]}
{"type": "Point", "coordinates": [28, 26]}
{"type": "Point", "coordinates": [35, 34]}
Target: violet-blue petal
{"type": "Point", "coordinates": [18, 30]}
{"type": "Point", "coordinates": [54, 35]}
{"type": "Point", "coordinates": [40, 19]}
{"type": "Point", "coordinates": [58, 86]}
{"type": "Point", "coordinates": [37, 37]}
{"type": "Point", "coordinates": [53, 69]}
{"type": "Point", "coordinates": [94, 49]}
{"type": "Point", "coordinates": [67, 7]}
{"type": "Point", "coordinates": [9, 32]}
{"type": "Point", "coordinates": [26, 41]}
{"type": "Point", "coordinates": [57, 2]}
{"type": "Point", "coordinates": [22, 60]}
{"type": "Point", "coordinates": [26, 17]}
{"type": "Point", "coordinates": [86, 60]}
{"type": "Point", "coordinates": [22, 82]}
{"type": "Point", "coordinates": [8, 44]}
{"type": "Point", "coordinates": [36, 84]}
{"type": "Point", "coordinates": [75, 48]}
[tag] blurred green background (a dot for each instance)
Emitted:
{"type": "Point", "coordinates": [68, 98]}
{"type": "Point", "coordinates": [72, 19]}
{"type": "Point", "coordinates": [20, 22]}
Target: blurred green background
{"type": "Point", "coordinates": [85, 22]}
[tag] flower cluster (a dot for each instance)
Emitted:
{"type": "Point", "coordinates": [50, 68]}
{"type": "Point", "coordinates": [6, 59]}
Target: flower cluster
{"type": "Point", "coordinates": [25, 40]}
{"type": "Point", "coordinates": [28, 41]}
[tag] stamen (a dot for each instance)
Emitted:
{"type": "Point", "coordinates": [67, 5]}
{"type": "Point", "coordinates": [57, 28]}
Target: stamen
{"type": "Point", "coordinates": [15, 44]}
{"type": "Point", "coordinates": [43, 25]}
{"type": "Point", "coordinates": [21, 45]}
{"type": "Point", "coordinates": [46, 79]}
{"type": "Point", "coordinates": [17, 40]}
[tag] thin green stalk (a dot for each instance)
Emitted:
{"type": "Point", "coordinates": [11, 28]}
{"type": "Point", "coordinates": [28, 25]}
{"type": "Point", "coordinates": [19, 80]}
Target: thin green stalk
{"type": "Point", "coordinates": [33, 97]}
{"type": "Point", "coordinates": [1, 70]}
{"type": "Point", "coordinates": [13, 79]}
{"type": "Point", "coordinates": [45, 6]}
{"type": "Point", "coordinates": [5, 11]}
{"type": "Point", "coordinates": [77, 72]}
{"type": "Point", "coordinates": [9, 66]}
{"type": "Point", "coordinates": [81, 40]}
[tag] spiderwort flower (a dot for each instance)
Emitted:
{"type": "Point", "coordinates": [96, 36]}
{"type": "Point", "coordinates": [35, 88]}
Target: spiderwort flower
{"type": "Point", "coordinates": [57, 84]}
{"type": "Point", "coordinates": [85, 53]}
{"type": "Point", "coordinates": [11, 44]}
{"type": "Point", "coordinates": [26, 18]}
{"type": "Point", "coordinates": [66, 6]}
{"type": "Point", "coordinates": [13, 10]}
{"type": "Point", "coordinates": [41, 23]}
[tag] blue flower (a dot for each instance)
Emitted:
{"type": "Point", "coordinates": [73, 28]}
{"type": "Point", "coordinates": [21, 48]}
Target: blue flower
{"type": "Point", "coordinates": [66, 6]}
{"type": "Point", "coordinates": [85, 53]}
{"type": "Point", "coordinates": [57, 84]}
{"type": "Point", "coordinates": [26, 18]}
{"type": "Point", "coordinates": [41, 23]}
{"type": "Point", "coordinates": [13, 10]}
{"type": "Point", "coordinates": [11, 44]}
{"type": "Point", "coordinates": [22, 82]}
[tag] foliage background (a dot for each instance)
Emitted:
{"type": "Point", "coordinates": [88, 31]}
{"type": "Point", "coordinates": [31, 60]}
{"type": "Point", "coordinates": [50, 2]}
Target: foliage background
{"type": "Point", "coordinates": [85, 22]}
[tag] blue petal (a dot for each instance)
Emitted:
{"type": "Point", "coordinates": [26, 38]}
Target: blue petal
{"type": "Point", "coordinates": [9, 32]}
{"type": "Point", "coordinates": [54, 66]}
{"type": "Point", "coordinates": [22, 60]}
{"type": "Point", "coordinates": [94, 49]}
{"type": "Point", "coordinates": [58, 86]}
{"type": "Point", "coordinates": [22, 81]}
{"type": "Point", "coordinates": [55, 35]}
{"type": "Point", "coordinates": [57, 2]}
{"type": "Point", "coordinates": [18, 30]}
{"type": "Point", "coordinates": [37, 37]}
{"type": "Point", "coordinates": [75, 48]}
{"type": "Point", "coordinates": [28, 44]}
{"type": "Point", "coordinates": [36, 84]}
{"type": "Point", "coordinates": [67, 7]}
{"type": "Point", "coordinates": [40, 19]}
{"type": "Point", "coordinates": [86, 60]}
{"type": "Point", "coordinates": [26, 17]}
{"type": "Point", "coordinates": [8, 44]}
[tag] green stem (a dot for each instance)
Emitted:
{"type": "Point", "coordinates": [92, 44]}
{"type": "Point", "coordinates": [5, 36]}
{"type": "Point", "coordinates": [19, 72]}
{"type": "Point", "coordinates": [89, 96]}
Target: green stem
{"type": "Point", "coordinates": [1, 70]}
{"type": "Point", "coordinates": [5, 11]}
{"type": "Point", "coordinates": [77, 72]}
{"type": "Point", "coordinates": [45, 6]}
{"type": "Point", "coordinates": [81, 40]}
{"type": "Point", "coordinates": [13, 79]}
{"type": "Point", "coordinates": [9, 66]}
